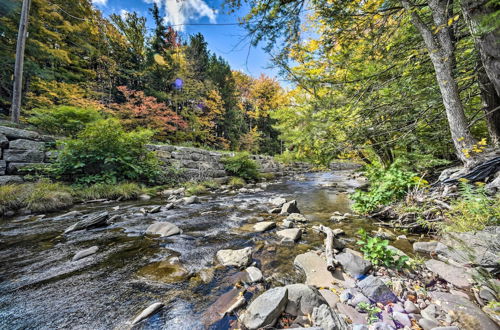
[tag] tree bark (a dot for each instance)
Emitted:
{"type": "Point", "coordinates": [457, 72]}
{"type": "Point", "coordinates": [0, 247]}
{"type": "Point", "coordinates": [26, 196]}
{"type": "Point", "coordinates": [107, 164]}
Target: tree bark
{"type": "Point", "coordinates": [491, 106]}
{"type": "Point", "coordinates": [331, 262]}
{"type": "Point", "coordinates": [18, 69]}
{"type": "Point", "coordinates": [441, 49]}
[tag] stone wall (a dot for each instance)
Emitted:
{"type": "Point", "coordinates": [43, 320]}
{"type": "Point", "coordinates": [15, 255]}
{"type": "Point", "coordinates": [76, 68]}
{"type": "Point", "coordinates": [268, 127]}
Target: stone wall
{"type": "Point", "coordinates": [21, 148]}
{"type": "Point", "coordinates": [200, 164]}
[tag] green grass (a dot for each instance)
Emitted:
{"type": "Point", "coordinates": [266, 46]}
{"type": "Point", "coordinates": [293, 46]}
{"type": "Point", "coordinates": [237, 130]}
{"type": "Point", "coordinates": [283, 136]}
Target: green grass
{"type": "Point", "coordinates": [125, 191]}
{"type": "Point", "coordinates": [236, 182]}
{"type": "Point", "coordinates": [200, 188]}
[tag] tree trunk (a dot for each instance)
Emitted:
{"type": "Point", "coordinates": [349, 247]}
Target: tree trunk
{"type": "Point", "coordinates": [491, 106]}
{"type": "Point", "coordinates": [18, 69]}
{"type": "Point", "coordinates": [441, 51]}
{"type": "Point", "coordinates": [487, 43]}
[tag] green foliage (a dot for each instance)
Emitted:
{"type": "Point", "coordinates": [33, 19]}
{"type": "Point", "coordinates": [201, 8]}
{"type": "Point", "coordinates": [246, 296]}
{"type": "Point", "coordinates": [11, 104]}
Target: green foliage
{"type": "Point", "coordinates": [371, 310]}
{"type": "Point", "coordinates": [240, 165]}
{"type": "Point", "coordinates": [386, 186]}
{"type": "Point", "coordinates": [194, 188]}
{"type": "Point", "coordinates": [375, 249]}
{"type": "Point", "coordinates": [63, 120]}
{"type": "Point", "coordinates": [473, 210]}
{"type": "Point", "coordinates": [236, 182]}
{"type": "Point", "coordinates": [124, 191]}
{"type": "Point", "coordinates": [105, 152]}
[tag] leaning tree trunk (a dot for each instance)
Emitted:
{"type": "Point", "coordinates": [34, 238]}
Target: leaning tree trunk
{"type": "Point", "coordinates": [441, 50]}
{"type": "Point", "coordinates": [491, 106]}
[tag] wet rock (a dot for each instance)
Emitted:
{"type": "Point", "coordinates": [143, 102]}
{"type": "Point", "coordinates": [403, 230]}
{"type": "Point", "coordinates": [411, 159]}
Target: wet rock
{"type": "Point", "coordinates": [169, 206]}
{"type": "Point", "coordinates": [425, 247]}
{"type": "Point", "coordinates": [253, 275]}
{"type": "Point", "coordinates": [143, 197]}
{"type": "Point", "coordinates": [290, 235]}
{"type": "Point", "coordinates": [457, 276]}
{"type": "Point", "coordinates": [353, 264]}
{"type": "Point", "coordinates": [296, 217]}
{"type": "Point", "coordinates": [154, 209]}
{"type": "Point", "coordinates": [402, 318]}
{"type": "Point", "coordinates": [85, 253]}
{"type": "Point", "coordinates": [72, 214]}
{"type": "Point", "coordinates": [190, 200]}
{"type": "Point", "coordinates": [265, 309]}
{"type": "Point", "coordinates": [428, 324]}
{"type": "Point", "coordinates": [152, 309]}
{"type": "Point", "coordinates": [338, 218]}
{"type": "Point", "coordinates": [207, 275]}
{"type": "Point", "coordinates": [263, 226]}
{"type": "Point", "coordinates": [449, 302]}
{"type": "Point", "coordinates": [324, 317]}
{"type": "Point", "coordinates": [375, 289]}
{"type": "Point", "coordinates": [384, 234]}
{"type": "Point", "coordinates": [290, 207]}
{"type": "Point", "coordinates": [91, 221]}
{"type": "Point", "coordinates": [411, 308]}
{"type": "Point", "coordinates": [226, 303]}
{"type": "Point", "coordinates": [277, 201]}
{"type": "Point", "coordinates": [164, 229]}
{"type": "Point", "coordinates": [169, 270]}
{"type": "Point", "coordinates": [113, 219]}
{"type": "Point", "coordinates": [275, 210]}
{"type": "Point", "coordinates": [302, 299]}
{"type": "Point", "coordinates": [355, 316]}
{"type": "Point", "coordinates": [237, 258]}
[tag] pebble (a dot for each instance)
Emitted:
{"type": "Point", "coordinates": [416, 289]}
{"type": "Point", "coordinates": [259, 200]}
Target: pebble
{"type": "Point", "coordinates": [402, 318]}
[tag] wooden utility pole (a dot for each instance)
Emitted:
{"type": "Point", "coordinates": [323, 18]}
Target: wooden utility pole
{"type": "Point", "coordinates": [18, 69]}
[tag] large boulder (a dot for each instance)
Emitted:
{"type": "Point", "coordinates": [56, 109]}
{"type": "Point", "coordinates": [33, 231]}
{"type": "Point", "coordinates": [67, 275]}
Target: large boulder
{"type": "Point", "coordinates": [24, 144]}
{"type": "Point", "coordinates": [290, 207]}
{"type": "Point", "coordinates": [237, 258]}
{"type": "Point", "coordinates": [353, 264]}
{"type": "Point", "coordinates": [425, 247]}
{"type": "Point", "coordinates": [17, 133]}
{"type": "Point", "coordinates": [302, 299]}
{"type": "Point", "coordinates": [164, 229]}
{"type": "Point", "coordinates": [458, 276]}
{"type": "Point", "coordinates": [277, 201]}
{"type": "Point", "coordinates": [376, 290]}
{"type": "Point", "coordinates": [315, 270]}
{"type": "Point", "coordinates": [265, 309]}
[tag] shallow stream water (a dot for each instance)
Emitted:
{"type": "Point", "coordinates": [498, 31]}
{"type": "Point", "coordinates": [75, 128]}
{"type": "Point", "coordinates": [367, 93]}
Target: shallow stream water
{"type": "Point", "coordinates": [41, 288]}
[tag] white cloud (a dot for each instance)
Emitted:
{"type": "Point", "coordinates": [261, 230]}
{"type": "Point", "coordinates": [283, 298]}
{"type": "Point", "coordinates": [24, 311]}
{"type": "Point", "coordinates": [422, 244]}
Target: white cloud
{"type": "Point", "coordinates": [100, 2]}
{"type": "Point", "coordinates": [124, 13]}
{"type": "Point", "coordinates": [179, 12]}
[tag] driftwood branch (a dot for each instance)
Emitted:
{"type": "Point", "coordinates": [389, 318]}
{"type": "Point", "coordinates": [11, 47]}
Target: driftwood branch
{"type": "Point", "coordinates": [331, 262]}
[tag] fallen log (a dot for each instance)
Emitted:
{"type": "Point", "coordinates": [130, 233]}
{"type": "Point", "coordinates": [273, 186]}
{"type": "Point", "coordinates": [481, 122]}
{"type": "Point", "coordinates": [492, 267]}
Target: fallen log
{"type": "Point", "coordinates": [331, 262]}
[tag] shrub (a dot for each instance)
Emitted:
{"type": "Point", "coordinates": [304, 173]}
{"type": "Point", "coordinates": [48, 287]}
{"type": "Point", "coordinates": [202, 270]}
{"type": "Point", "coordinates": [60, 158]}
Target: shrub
{"type": "Point", "coordinates": [193, 188]}
{"type": "Point", "coordinates": [375, 249]}
{"type": "Point", "coordinates": [63, 120]}
{"type": "Point", "coordinates": [125, 191]}
{"type": "Point", "coordinates": [104, 152]}
{"type": "Point", "coordinates": [240, 165]}
{"type": "Point", "coordinates": [474, 210]}
{"type": "Point", "coordinates": [236, 182]}
{"type": "Point", "coordinates": [386, 186]}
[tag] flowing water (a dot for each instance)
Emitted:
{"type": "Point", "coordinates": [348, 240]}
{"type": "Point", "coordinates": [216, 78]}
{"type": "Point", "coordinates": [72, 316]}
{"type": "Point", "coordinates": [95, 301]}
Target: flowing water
{"type": "Point", "coordinates": [41, 288]}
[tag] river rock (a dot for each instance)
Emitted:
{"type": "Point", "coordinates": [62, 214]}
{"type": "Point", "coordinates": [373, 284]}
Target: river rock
{"type": "Point", "coordinates": [338, 218]}
{"type": "Point", "coordinates": [425, 247]}
{"type": "Point", "coordinates": [275, 210]}
{"type": "Point", "coordinates": [302, 299]}
{"type": "Point", "coordinates": [91, 221]}
{"type": "Point", "coordinates": [353, 264]}
{"type": "Point", "coordinates": [263, 226]}
{"type": "Point", "coordinates": [381, 326]}
{"type": "Point", "coordinates": [411, 308]}
{"type": "Point", "coordinates": [265, 309]}
{"type": "Point", "coordinates": [457, 276]}
{"type": "Point", "coordinates": [290, 207]}
{"type": "Point", "coordinates": [152, 309]}
{"type": "Point", "coordinates": [164, 229]}
{"type": "Point", "coordinates": [85, 253]}
{"type": "Point", "coordinates": [355, 316]}
{"type": "Point", "coordinates": [331, 298]}
{"type": "Point", "coordinates": [315, 270]}
{"type": "Point", "coordinates": [190, 200]}
{"type": "Point", "coordinates": [324, 317]}
{"type": "Point", "coordinates": [376, 290]}
{"type": "Point", "coordinates": [226, 303]}
{"type": "Point", "coordinates": [253, 275]}
{"type": "Point", "coordinates": [449, 302]}
{"type": "Point", "coordinates": [143, 197]}
{"type": "Point", "coordinates": [427, 324]}
{"type": "Point", "coordinates": [402, 318]}
{"type": "Point", "coordinates": [237, 258]}
{"type": "Point", "coordinates": [277, 201]}
{"type": "Point", "coordinates": [290, 235]}
{"type": "Point", "coordinates": [296, 217]}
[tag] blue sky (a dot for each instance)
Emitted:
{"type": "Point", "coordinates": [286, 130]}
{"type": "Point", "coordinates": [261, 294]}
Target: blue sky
{"type": "Point", "coordinates": [224, 40]}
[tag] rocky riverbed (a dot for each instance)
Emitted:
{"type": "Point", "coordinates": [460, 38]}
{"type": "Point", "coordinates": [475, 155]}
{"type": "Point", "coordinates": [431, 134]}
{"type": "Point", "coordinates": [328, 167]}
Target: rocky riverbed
{"type": "Point", "coordinates": [236, 258]}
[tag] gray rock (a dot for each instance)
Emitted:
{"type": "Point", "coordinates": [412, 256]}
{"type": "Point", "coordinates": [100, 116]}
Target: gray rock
{"type": "Point", "coordinates": [290, 207]}
{"type": "Point", "coordinates": [428, 324]}
{"type": "Point", "coordinates": [237, 258]}
{"type": "Point", "coordinates": [376, 290]}
{"type": "Point", "coordinates": [275, 210]}
{"type": "Point", "coordinates": [290, 235]}
{"type": "Point", "coordinates": [411, 308]}
{"type": "Point", "coordinates": [302, 299]}
{"type": "Point", "coordinates": [487, 294]}
{"type": "Point", "coordinates": [352, 263]}
{"type": "Point", "coordinates": [85, 253]}
{"type": "Point", "coordinates": [381, 326]}
{"type": "Point", "coordinates": [23, 156]}
{"type": "Point", "coordinates": [457, 276]}
{"type": "Point", "coordinates": [277, 201]}
{"type": "Point", "coordinates": [353, 314]}
{"type": "Point", "coordinates": [359, 327]}
{"type": "Point", "coordinates": [26, 145]}
{"type": "Point", "coordinates": [17, 133]}
{"type": "Point", "coordinates": [154, 209]}
{"type": "Point", "coordinates": [357, 299]}
{"type": "Point", "coordinates": [451, 302]}
{"type": "Point", "coordinates": [431, 312]}
{"type": "Point", "coordinates": [446, 328]}
{"type": "Point", "coordinates": [287, 224]}
{"type": "Point", "coordinates": [296, 217]}
{"type": "Point", "coordinates": [315, 270]}
{"type": "Point", "coordinates": [263, 226]}
{"type": "Point", "coordinates": [4, 142]}
{"type": "Point", "coordinates": [402, 318]}
{"type": "Point", "coordinates": [164, 229]}
{"type": "Point", "coordinates": [143, 197]}
{"type": "Point", "coordinates": [152, 309]}
{"type": "Point", "coordinates": [265, 309]}
{"type": "Point", "coordinates": [226, 303]}
{"type": "Point", "coordinates": [324, 317]}
{"type": "Point", "coordinates": [13, 167]}
{"type": "Point", "coordinates": [3, 165]}
{"type": "Point", "coordinates": [425, 247]}
{"type": "Point", "coordinates": [9, 179]}
{"type": "Point", "coordinates": [253, 275]}
{"type": "Point", "coordinates": [89, 222]}
{"type": "Point", "coordinates": [190, 200]}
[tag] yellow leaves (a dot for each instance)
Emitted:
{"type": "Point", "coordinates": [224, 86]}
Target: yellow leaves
{"type": "Point", "coordinates": [159, 59]}
{"type": "Point", "coordinates": [453, 19]}
{"type": "Point", "coordinates": [476, 148]}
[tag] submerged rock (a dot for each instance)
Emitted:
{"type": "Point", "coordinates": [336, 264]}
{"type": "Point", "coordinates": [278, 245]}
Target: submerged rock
{"type": "Point", "coordinates": [265, 309]}
{"type": "Point", "coordinates": [85, 253]}
{"type": "Point", "coordinates": [226, 303]}
{"type": "Point", "coordinates": [237, 258]}
{"type": "Point", "coordinates": [152, 309]}
{"type": "Point", "coordinates": [164, 229]}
